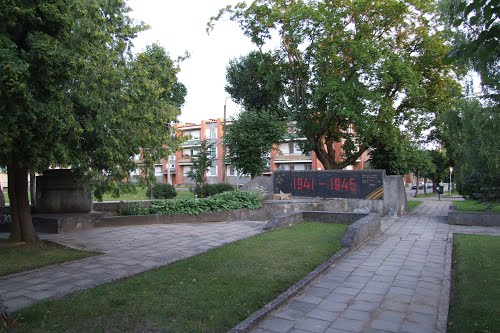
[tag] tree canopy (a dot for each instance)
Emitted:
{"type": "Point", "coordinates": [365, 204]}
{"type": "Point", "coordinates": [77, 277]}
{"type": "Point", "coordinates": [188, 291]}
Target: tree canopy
{"type": "Point", "coordinates": [477, 26]}
{"type": "Point", "coordinates": [202, 162]}
{"type": "Point", "coordinates": [73, 94]}
{"type": "Point", "coordinates": [351, 71]}
{"type": "Point", "coordinates": [248, 138]}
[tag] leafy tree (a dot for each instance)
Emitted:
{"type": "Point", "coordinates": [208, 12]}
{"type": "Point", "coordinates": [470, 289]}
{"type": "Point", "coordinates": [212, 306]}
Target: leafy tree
{"type": "Point", "coordinates": [202, 162]}
{"type": "Point", "coordinates": [394, 156]}
{"type": "Point", "coordinates": [255, 81]}
{"type": "Point", "coordinates": [352, 71]}
{"type": "Point", "coordinates": [249, 137]}
{"type": "Point", "coordinates": [421, 166]}
{"type": "Point", "coordinates": [441, 167]}
{"type": "Point", "coordinates": [73, 95]}
{"type": "Point", "coordinates": [472, 141]}
{"type": "Point", "coordinates": [476, 43]}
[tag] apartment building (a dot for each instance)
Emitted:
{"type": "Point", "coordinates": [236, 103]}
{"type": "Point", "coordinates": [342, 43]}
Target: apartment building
{"type": "Point", "coordinates": [284, 156]}
{"type": "Point", "coordinates": [288, 156]}
{"type": "Point", "coordinates": [212, 131]}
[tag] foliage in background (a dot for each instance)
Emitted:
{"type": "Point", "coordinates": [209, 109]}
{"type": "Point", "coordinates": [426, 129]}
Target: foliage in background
{"type": "Point", "coordinates": [248, 138]}
{"type": "Point", "coordinates": [441, 167]}
{"type": "Point", "coordinates": [476, 44]}
{"type": "Point", "coordinates": [471, 136]}
{"type": "Point", "coordinates": [225, 201]}
{"type": "Point", "coordinates": [207, 190]}
{"type": "Point", "coordinates": [255, 81]}
{"type": "Point", "coordinates": [131, 208]}
{"type": "Point", "coordinates": [73, 94]}
{"type": "Point", "coordinates": [352, 72]}
{"type": "Point", "coordinates": [161, 191]}
{"type": "Point", "coordinates": [394, 156]}
{"type": "Point", "coordinates": [201, 163]}
{"type": "Point", "coordinates": [422, 166]}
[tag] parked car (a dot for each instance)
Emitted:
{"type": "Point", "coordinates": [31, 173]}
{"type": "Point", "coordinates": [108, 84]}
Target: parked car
{"type": "Point", "coordinates": [429, 184]}
{"type": "Point", "coordinates": [420, 186]}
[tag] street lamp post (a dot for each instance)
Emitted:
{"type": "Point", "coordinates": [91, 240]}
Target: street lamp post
{"type": "Point", "coordinates": [451, 170]}
{"type": "Point", "coordinates": [224, 171]}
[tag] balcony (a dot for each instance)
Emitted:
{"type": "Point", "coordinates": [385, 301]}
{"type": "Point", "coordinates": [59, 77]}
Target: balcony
{"type": "Point", "coordinates": [191, 143]}
{"type": "Point", "coordinates": [185, 160]}
{"type": "Point", "coordinates": [292, 158]}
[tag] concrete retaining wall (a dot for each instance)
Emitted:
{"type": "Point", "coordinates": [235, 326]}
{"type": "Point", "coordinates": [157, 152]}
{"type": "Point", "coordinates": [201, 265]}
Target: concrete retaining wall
{"type": "Point", "coordinates": [270, 209]}
{"type": "Point", "coordinates": [473, 218]}
{"type": "Point", "coordinates": [361, 226]}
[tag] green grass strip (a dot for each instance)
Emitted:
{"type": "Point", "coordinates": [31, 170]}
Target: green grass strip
{"type": "Point", "coordinates": [413, 204]}
{"type": "Point", "coordinates": [210, 292]}
{"type": "Point", "coordinates": [15, 258]}
{"type": "Point", "coordinates": [475, 301]}
{"type": "Point", "coordinates": [474, 206]}
{"type": "Point", "coordinates": [425, 195]}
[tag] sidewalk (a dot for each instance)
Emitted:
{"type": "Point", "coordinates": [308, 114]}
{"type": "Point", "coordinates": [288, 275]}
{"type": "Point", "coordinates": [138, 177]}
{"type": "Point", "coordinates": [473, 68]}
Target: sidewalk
{"type": "Point", "coordinates": [398, 282]}
{"type": "Point", "coordinates": [127, 251]}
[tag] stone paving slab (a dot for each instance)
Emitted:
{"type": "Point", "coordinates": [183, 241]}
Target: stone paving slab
{"type": "Point", "coordinates": [397, 282]}
{"type": "Point", "coordinates": [126, 251]}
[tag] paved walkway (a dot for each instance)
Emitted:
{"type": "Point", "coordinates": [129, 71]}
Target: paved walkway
{"type": "Point", "coordinates": [398, 282]}
{"type": "Point", "coordinates": [127, 251]}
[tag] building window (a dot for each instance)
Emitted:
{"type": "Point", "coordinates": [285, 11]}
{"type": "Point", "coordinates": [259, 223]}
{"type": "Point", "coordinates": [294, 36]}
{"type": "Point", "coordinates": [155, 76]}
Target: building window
{"type": "Point", "coordinates": [291, 147]}
{"type": "Point", "coordinates": [282, 167]}
{"type": "Point", "coordinates": [291, 168]}
{"type": "Point", "coordinates": [231, 170]}
{"type": "Point", "coordinates": [193, 135]}
{"type": "Point", "coordinates": [212, 152]}
{"type": "Point", "coordinates": [211, 133]}
{"type": "Point", "coordinates": [309, 166]}
{"type": "Point", "coordinates": [212, 171]}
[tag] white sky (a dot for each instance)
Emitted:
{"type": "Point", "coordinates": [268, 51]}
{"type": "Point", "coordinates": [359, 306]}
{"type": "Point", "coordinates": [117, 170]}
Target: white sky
{"type": "Point", "coordinates": [179, 26]}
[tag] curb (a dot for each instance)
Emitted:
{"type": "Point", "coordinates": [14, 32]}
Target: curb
{"type": "Point", "coordinates": [257, 316]}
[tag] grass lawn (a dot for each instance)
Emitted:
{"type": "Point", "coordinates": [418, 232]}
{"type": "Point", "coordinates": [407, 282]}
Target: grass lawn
{"type": "Point", "coordinates": [210, 292]}
{"type": "Point", "coordinates": [475, 301]}
{"type": "Point", "coordinates": [425, 195]}
{"type": "Point", "coordinates": [474, 206]}
{"type": "Point", "coordinates": [413, 204]}
{"type": "Point", "coordinates": [141, 195]}
{"type": "Point", "coordinates": [16, 258]}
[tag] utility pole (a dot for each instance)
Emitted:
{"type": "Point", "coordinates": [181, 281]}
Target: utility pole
{"type": "Point", "coordinates": [224, 171]}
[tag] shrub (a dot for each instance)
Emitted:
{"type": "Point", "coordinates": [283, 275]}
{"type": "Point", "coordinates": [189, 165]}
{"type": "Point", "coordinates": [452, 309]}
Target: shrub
{"type": "Point", "coordinates": [208, 190]}
{"type": "Point", "coordinates": [132, 208]}
{"type": "Point", "coordinates": [162, 191]}
{"type": "Point", "coordinates": [217, 203]}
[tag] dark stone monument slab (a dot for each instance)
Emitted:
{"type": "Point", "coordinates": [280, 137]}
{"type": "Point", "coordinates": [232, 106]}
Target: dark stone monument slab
{"type": "Point", "coordinates": [347, 184]}
{"type": "Point", "coordinates": [60, 191]}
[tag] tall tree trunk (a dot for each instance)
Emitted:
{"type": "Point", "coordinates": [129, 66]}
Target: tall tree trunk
{"type": "Point", "coordinates": [2, 203]}
{"type": "Point", "coordinates": [416, 189]}
{"type": "Point", "coordinates": [33, 189]}
{"type": "Point", "coordinates": [21, 227]}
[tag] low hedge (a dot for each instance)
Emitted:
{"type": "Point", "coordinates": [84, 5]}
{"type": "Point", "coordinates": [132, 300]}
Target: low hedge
{"type": "Point", "coordinates": [208, 190]}
{"type": "Point", "coordinates": [217, 203]}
